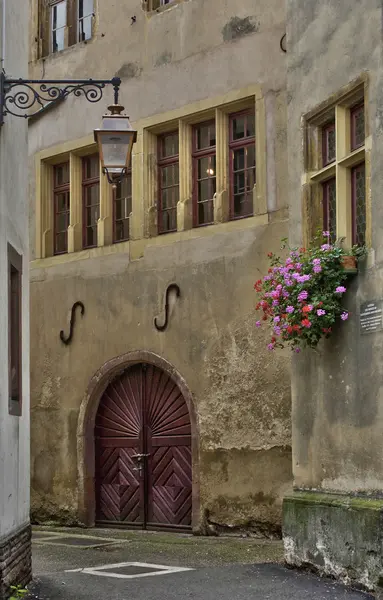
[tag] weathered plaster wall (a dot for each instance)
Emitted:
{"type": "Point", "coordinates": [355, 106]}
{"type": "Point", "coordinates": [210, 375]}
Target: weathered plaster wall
{"type": "Point", "coordinates": [193, 50]}
{"type": "Point", "coordinates": [337, 392]}
{"type": "Point", "coordinates": [14, 431]}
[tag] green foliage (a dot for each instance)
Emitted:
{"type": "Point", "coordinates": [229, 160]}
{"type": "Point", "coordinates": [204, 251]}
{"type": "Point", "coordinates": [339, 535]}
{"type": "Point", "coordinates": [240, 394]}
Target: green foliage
{"type": "Point", "coordinates": [18, 592]}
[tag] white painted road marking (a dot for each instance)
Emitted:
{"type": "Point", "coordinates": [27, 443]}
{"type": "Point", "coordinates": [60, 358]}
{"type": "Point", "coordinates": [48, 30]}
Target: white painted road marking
{"type": "Point", "coordinates": [102, 571]}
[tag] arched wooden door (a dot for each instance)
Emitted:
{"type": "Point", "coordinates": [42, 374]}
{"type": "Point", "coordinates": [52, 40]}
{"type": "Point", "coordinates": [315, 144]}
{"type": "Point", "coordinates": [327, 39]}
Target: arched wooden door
{"type": "Point", "coordinates": [143, 452]}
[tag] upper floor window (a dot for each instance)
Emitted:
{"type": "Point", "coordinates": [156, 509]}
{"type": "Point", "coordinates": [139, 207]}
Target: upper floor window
{"type": "Point", "coordinates": [204, 173]}
{"type": "Point", "coordinates": [242, 164]}
{"type": "Point", "coordinates": [61, 201]}
{"type": "Point", "coordinates": [168, 182]}
{"type": "Point", "coordinates": [156, 4]}
{"type": "Point", "coordinates": [64, 23]}
{"type": "Point", "coordinates": [91, 199]}
{"type": "Point", "coordinates": [338, 170]}
{"type": "Point", "coordinates": [122, 207]}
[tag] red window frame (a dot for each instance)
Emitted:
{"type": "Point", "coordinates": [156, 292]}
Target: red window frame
{"type": "Point", "coordinates": [163, 162]}
{"type": "Point", "coordinates": [326, 159]}
{"type": "Point", "coordinates": [125, 218]}
{"type": "Point", "coordinates": [15, 269]}
{"type": "Point", "coordinates": [89, 182]}
{"type": "Point", "coordinates": [234, 145]}
{"type": "Point", "coordinates": [197, 154]}
{"type": "Point", "coordinates": [354, 113]}
{"type": "Point", "coordinates": [326, 208]}
{"type": "Point", "coordinates": [59, 189]}
{"type": "Point", "coordinates": [354, 172]}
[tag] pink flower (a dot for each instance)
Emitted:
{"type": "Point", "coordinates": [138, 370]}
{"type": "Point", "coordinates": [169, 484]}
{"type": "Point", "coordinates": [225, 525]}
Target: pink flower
{"type": "Point", "coordinates": [277, 330]}
{"type": "Point", "coordinates": [344, 316]}
{"type": "Point", "coordinates": [317, 268]}
{"type": "Point", "coordinates": [275, 303]}
{"type": "Point", "coordinates": [270, 346]}
{"type": "Point", "coordinates": [277, 319]}
{"type": "Point", "coordinates": [297, 349]}
{"type": "Point", "coordinates": [302, 295]}
{"type": "Point", "coordinates": [326, 234]}
{"type": "Point", "coordinates": [340, 289]}
{"type": "Point", "coordinates": [258, 324]}
{"type": "Point", "coordinates": [325, 247]}
{"type": "Point", "coordinates": [290, 309]}
{"type": "Point", "coordinates": [321, 312]}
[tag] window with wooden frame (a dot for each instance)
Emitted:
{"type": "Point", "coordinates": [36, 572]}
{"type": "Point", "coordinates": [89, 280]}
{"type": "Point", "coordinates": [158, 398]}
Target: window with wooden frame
{"type": "Point", "coordinates": [150, 5]}
{"type": "Point", "coordinates": [336, 165]}
{"type": "Point", "coordinates": [242, 163]}
{"type": "Point", "coordinates": [122, 208]}
{"type": "Point", "coordinates": [168, 181]}
{"type": "Point", "coordinates": [15, 264]}
{"type": "Point", "coordinates": [91, 199]}
{"type": "Point", "coordinates": [204, 173]}
{"type": "Point", "coordinates": [63, 23]}
{"type": "Point", "coordinates": [61, 207]}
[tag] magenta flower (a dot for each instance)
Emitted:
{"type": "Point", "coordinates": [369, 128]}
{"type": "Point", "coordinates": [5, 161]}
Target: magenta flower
{"type": "Point", "coordinates": [317, 268]}
{"type": "Point", "coordinates": [325, 247]}
{"type": "Point", "coordinates": [258, 324]}
{"type": "Point", "coordinates": [297, 349]}
{"type": "Point", "coordinates": [290, 309]}
{"type": "Point", "coordinates": [316, 261]}
{"type": "Point", "coordinates": [270, 346]}
{"type": "Point", "coordinates": [326, 234]}
{"type": "Point", "coordinates": [302, 295]}
{"type": "Point", "coordinates": [275, 303]}
{"type": "Point", "coordinates": [303, 278]}
{"type": "Point", "coordinates": [321, 312]}
{"type": "Point", "coordinates": [277, 319]}
{"type": "Point", "coordinates": [340, 289]}
{"type": "Point", "coordinates": [344, 316]}
{"type": "Point", "coordinates": [277, 330]}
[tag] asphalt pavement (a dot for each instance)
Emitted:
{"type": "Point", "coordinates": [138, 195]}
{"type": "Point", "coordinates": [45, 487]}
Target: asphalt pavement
{"type": "Point", "coordinates": [112, 565]}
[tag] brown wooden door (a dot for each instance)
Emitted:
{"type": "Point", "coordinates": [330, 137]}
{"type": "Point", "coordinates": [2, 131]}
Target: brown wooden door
{"type": "Point", "coordinates": [143, 452]}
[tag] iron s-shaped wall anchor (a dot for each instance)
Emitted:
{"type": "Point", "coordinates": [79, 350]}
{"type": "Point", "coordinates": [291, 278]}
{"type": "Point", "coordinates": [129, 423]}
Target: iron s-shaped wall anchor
{"type": "Point", "coordinates": [172, 287]}
{"type": "Point", "coordinates": [68, 340]}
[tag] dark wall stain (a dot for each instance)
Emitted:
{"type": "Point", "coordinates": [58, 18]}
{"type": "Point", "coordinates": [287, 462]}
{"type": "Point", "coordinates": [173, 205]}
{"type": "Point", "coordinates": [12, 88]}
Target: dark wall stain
{"type": "Point", "coordinates": [237, 28]}
{"type": "Point", "coordinates": [129, 70]}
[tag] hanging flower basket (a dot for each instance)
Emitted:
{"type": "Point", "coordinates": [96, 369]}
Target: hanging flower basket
{"type": "Point", "coordinates": [301, 296]}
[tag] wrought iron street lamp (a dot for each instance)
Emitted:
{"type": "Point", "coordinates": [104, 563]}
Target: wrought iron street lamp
{"type": "Point", "coordinates": [29, 97]}
{"type": "Point", "coordinates": [115, 141]}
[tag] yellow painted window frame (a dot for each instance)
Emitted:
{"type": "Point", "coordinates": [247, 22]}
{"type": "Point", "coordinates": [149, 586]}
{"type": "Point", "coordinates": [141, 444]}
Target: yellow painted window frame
{"type": "Point", "coordinates": [143, 221]}
{"type": "Point", "coordinates": [338, 109]}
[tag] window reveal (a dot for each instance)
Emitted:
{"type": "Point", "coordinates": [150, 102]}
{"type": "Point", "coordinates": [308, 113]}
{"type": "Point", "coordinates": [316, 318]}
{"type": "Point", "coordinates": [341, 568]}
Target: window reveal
{"type": "Point", "coordinates": [168, 182]}
{"type": "Point", "coordinates": [204, 173]}
{"type": "Point", "coordinates": [91, 200]}
{"type": "Point", "coordinates": [14, 331]}
{"type": "Point", "coordinates": [242, 164]}
{"type": "Point", "coordinates": [61, 199]}
{"type": "Point", "coordinates": [122, 208]}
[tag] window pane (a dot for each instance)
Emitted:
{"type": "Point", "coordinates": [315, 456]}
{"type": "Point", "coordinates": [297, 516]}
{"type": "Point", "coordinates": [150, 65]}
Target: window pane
{"type": "Point", "coordinates": [62, 202]}
{"type": "Point", "coordinates": [238, 127]}
{"type": "Point", "coordinates": [239, 182]}
{"type": "Point", "coordinates": [205, 135]}
{"type": "Point", "coordinates": [250, 125]}
{"type": "Point", "coordinates": [124, 188]}
{"type": "Point", "coordinates": [359, 204]}
{"type": "Point", "coordinates": [61, 243]}
{"type": "Point", "coordinates": [92, 214]}
{"type": "Point", "coordinates": [329, 208]}
{"type": "Point", "coordinates": [204, 190]}
{"type": "Point", "coordinates": [250, 156]}
{"type": "Point", "coordinates": [61, 222]}
{"type": "Point", "coordinates": [357, 127]}
{"type": "Point", "coordinates": [250, 179]}
{"type": "Point", "coordinates": [61, 173]}
{"type": "Point", "coordinates": [204, 167]}
{"type": "Point", "coordinates": [169, 175]}
{"type": "Point", "coordinates": [59, 15]}
{"type": "Point", "coordinates": [15, 333]}
{"type": "Point", "coordinates": [205, 213]}
{"type": "Point", "coordinates": [85, 29]}
{"type": "Point", "coordinates": [328, 144]}
{"type": "Point", "coordinates": [58, 40]}
{"type": "Point", "coordinates": [169, 146]}
{"type": "Point", "coordinates": [92, 195]}
{"type": "Point", "coordinates": [168, 220]}
{"type": "Point", "coordinates": [85, 8]}
{"type": "Point", "coordinates": [239, 159]}
{"type": "Point", "coordinates": [91, 236]}
{"type": "Point", "coordinates": [122, 230]}
{"type": "Point", "coordinates": [91, 167]}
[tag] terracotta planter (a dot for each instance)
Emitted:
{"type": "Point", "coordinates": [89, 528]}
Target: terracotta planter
{"type": "Point", "coordinates": [349, 264]}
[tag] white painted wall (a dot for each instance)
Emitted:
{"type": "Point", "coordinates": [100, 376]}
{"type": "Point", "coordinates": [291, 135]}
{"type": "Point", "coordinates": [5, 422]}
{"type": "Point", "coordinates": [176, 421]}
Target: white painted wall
{"type": "Point", "coordinates": [14, 431]}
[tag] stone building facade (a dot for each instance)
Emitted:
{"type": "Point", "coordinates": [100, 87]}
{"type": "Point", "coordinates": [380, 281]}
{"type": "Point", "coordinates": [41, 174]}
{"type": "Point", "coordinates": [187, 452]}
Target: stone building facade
{"type": "Point", "coordinates": [333, 520]}
{"type": "Point", "coordinates": [205, 86]}
{"type": "Point", "coordinates": [15, 536]}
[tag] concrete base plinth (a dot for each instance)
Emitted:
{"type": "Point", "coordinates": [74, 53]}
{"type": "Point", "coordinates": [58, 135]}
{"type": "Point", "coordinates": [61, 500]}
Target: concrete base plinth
{"type": "Point", "coordinates": [337, 535]}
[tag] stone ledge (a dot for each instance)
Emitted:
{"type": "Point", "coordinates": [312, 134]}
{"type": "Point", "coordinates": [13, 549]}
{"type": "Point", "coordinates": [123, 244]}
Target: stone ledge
{"type": "Point", "coordinates": [15, 560]}
{"type": "Point", "coordinates": [339, 536]}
